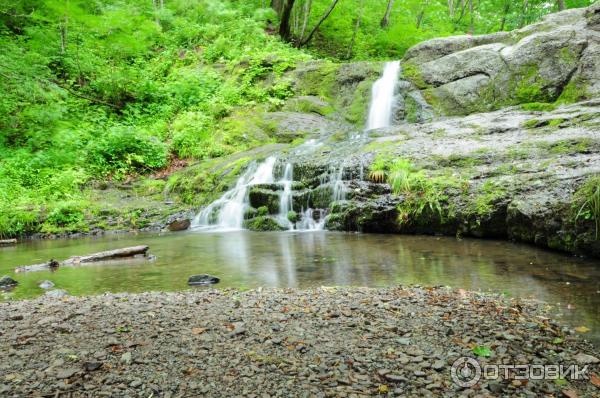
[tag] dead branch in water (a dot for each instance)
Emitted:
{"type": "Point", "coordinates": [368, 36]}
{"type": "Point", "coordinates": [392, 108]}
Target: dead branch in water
{"type": "Point", "coordinates": [108, 255]}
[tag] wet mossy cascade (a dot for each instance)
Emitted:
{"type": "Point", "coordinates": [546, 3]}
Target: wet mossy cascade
{"type": "Point", "coordinates": [267, 197]}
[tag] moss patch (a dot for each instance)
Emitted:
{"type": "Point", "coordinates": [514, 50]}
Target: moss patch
{"type": "Point", "coordinates": [263, 223]}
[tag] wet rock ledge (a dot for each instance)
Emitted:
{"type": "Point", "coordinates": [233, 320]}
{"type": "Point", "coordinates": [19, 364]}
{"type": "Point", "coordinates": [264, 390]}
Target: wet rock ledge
{"type": "Point", "coordinates": [280, 342]}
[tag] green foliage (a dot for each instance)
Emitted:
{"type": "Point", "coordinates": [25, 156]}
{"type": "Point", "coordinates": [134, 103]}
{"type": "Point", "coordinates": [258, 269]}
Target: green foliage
{"type": "Point", "coordinates": [489, 194]}
{"type": "Point", "coordinates": [123, 150]}
{"type": "Point", "coordinates": [292, 216]}
{"type": "Point", "coordinates": [263, 223]}
{"type": "Point", "coordinates": [482, 351]}
{"type": "Point", "coordinates": [538, 106]}
{"type": "Point", "coordinates": [67, 217]}
{"type": "Point", "coordinates": [421, 193]}
{"type": "Point", "coordinates": [587, 199]}
{"type": "Point", "coordinates": [117, 88]}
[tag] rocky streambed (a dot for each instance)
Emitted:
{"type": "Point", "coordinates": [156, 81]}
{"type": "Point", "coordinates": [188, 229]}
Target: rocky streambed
{"type": "Point", "coordinates": [398, 341]}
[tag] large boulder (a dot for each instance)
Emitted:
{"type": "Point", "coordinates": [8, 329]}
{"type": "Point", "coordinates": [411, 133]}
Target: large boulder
{"type": "Point", "coordinates": [556, 59]}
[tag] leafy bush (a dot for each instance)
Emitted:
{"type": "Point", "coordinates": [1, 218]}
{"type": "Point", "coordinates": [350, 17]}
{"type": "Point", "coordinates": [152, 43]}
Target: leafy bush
{"type": "Point", "coordinates": [588, 199]}
{"type": "Point", "coordinates": [124, 150]}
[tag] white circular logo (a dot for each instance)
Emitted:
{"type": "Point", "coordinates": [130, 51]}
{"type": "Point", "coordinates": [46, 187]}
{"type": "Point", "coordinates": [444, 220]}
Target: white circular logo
{"type": "Point", "coordinates": [465, 372]}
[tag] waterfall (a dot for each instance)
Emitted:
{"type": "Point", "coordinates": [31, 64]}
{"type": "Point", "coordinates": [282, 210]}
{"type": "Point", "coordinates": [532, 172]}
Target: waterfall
{"type": "Point", "coordinates": [285, 200]}
{"type": "Point", "coordinates": [336, 180]}
{"type": "Point", "coordinates": [309, 223]}
{"type": "Point", "coordinates": [227, 212]}
{"type": "Point", "coordinates": [382, 97]}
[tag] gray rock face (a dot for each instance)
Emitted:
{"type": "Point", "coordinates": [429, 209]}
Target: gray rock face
{"type": "Point", "coordinates": [511, 174]}
{"type": "Point", "coordinates": [556, 58]}
{"type": "Point", "coordinates": [7, 282]}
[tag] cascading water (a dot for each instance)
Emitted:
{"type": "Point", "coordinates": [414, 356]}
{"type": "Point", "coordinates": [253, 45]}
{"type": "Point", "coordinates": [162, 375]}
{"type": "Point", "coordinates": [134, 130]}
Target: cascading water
{"type": "Point", "coordinates": [228, 211]}
{"type": "Point", "coordinates": [336, 179]}
{"type": "Point", "coordinates": [285, 200]}
{"type": "Point", "coordinates": [382, 97]}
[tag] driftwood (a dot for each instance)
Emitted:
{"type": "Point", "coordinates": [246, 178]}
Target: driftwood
{"type": "Point", "coordinates": [4, 242]}
{"type": "Point", "coordinates": [127, 252]}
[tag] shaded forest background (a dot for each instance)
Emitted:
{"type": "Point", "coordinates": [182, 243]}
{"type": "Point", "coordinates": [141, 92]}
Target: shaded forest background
{"type": "Point", "coordinates": [108, 90]}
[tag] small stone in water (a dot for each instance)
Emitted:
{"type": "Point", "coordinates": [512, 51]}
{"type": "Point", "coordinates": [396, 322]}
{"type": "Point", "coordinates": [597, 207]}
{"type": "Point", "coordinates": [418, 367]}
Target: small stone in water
{"type": "Point", "coordinates": [58, 293]}
{"type": "Point", "coordinates": [6, 282]}
{"type": "Point", "coordinates": [46, 284]}
{"type": "Point", "coordinates": [202, 280]}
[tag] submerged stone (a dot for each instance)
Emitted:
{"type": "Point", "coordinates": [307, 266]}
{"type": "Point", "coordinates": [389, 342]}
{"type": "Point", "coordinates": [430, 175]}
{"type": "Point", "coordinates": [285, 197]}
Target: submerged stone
{"type": "Point", "coordinates": [7, 282]}
{"type": "Point", "coordinates": [204, 279]}
{"type": "Point", "coordinates": [57, 293]}
{"type": "Point", "coordinates": [46, 284]}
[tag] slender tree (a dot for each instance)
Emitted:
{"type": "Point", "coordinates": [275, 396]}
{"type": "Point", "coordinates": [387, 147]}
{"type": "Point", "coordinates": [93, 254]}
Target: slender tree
{"type": "Point", "coordinates": [385, 21]}
{"type": "Point", "coordinates": [505, 14]}
{"type": "Point", "coordinates": [284, 24]}
{"type": "Point", "coordinates": [316, 27]}
{"type": "Point", "coordinates": [472, 20]}
{"type": "Point", "coordinates": [356, 28]}
{"type": "Point", "coordinates": [560, 4]}
{"type": "Point", "coordinates": [277, 5]}
{"type": "Point", "coordinates": [523, 18]}
{"type": "Point", "coordinates": [306, 16]}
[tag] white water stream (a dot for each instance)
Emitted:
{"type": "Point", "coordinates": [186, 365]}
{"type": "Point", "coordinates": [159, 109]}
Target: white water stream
{"type": "Point", "coordinates": [382, 97]}
{"type": "Point", "coordinates": [227, 213]}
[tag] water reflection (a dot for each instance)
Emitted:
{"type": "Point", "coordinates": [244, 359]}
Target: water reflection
{"type": "Point", "coordinates": [302, 259]}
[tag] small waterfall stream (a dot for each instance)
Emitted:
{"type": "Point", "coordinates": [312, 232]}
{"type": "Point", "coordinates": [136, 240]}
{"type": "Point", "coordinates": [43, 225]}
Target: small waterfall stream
{"type": "Point", "coordinates": [228, 212]}
{"type": "Point", "coordinates": [382, 97]}
{"type": "Point", "coordinates": [285, 200]}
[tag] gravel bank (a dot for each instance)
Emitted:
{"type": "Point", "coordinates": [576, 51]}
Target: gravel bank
{"type": "Point", "coordinates": [278, 342]}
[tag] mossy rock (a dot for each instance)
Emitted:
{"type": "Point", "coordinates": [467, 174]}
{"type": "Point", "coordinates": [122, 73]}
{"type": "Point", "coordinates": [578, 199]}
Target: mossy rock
{"type": "Point", "coordinates": [263, 223]}
{"type": "Point", "coordinates": [260, 197]}
{"type": "Point", "coordinates": [309, 104]}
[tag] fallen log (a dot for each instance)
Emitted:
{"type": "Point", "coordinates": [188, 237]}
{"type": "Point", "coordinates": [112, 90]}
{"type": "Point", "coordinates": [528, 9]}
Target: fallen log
{"type": "Point", "coordinates": [4, 242]}
{"type": "Point", "coordinates": [109, 255]}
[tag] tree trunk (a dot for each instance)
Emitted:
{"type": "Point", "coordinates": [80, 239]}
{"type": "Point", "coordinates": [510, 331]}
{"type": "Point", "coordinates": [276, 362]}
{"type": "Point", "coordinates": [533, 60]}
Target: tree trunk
{"type": "Point", "coordinates": [561, 5]}
{"type": "Point", "coordinates": [505, 14]}
{"type": "Point", "coordinates": [116, 254]}
{"type": "Point", "coordinates": [385, 21]}
{"type": "Point", "coordinates": [523, 18]}
{"type": "Point", "coordinates": [356, 27]}
{"type": "Point", "coordinates": [421, 15]}
{"type": "Point", "coordinates": [307, 8]}
{"type": "Point", "coordinates": [284, 25]}
{"type": "Point", "coordinates": [277, 5]}
{"type": "Point", "coordinates": [472, 21]}
{"type": "Point", "coordinates": [323, 18]}
{"type": "Point", "coordinates": [451, 9]}
{"type": "Point", "coordinates": [63, 35]}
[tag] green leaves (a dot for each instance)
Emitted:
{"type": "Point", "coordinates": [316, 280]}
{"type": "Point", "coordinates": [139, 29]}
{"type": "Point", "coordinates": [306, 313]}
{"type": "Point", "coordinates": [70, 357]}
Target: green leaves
{"type": "Point", "coordinates": [125, 150]}
{"type": "Point", "coordinates": [482, 351]}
